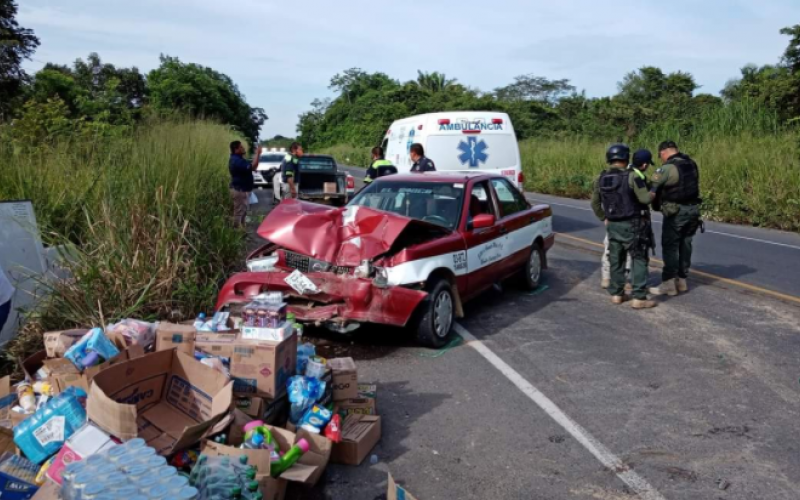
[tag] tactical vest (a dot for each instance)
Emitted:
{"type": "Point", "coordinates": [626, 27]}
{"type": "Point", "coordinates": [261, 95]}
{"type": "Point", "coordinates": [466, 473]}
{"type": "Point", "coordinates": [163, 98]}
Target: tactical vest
{"type": "Point", "coordinates": [618, 199]}
{"type": "Point", "coordinates": [687, 190]}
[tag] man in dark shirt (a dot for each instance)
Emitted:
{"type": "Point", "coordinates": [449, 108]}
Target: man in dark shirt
{"type": "Point", "coordinates": [421, 163]}
{"type": "Point", "coordinates": [241, 180]}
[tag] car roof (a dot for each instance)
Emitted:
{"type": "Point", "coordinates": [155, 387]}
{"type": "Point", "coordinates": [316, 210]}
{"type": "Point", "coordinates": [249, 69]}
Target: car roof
{"type": "Point", "coordinates": [311, 156]}
{"type": "Point", "coordinates": [443, 177]}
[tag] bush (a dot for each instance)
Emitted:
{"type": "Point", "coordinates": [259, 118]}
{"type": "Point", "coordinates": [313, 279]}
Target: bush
{"type": "Point", "coordinates": [142, 221]}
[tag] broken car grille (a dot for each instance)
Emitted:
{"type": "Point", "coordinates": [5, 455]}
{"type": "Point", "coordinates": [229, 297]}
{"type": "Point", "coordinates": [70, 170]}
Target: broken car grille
{"type": "Point", "coordinates": [308, 265]}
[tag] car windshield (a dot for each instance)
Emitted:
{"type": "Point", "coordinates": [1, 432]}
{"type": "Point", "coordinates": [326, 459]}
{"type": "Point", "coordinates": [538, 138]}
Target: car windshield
{"type": "Point", "coordinates": [308, 163]}
{"type": "Point", "coordinates": [435, 203]}
{"type": "Point", "coordinates": [271, 158]}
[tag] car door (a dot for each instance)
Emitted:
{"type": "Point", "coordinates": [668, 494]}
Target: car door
{"type": "Point", "coordinates": [516, 224]}
{"type": "Point", "coordinates": [485, 246]}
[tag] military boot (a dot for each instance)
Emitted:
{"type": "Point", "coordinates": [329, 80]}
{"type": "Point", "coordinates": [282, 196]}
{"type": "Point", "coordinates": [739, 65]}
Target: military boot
{"type": "Point", "coordinates": [666, 288]}
{"type": "Point", "coordinates": [643, 304]}
{"type": "Point", "coordinates": [618, 299]}
{"type": "Point", "coordinates": [681, 285]}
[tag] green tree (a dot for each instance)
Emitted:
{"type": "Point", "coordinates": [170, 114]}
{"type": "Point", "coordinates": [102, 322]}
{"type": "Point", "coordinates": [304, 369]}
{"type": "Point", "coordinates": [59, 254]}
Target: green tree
{"type": "Point", "coordinates": [535, 88]}
{"type": "Point", "coordinates": [202, 91]}
{"type": "Point", "coordinates": [791, 58]}
{"type": "Point", "coordinates": [16, 45]}
{"type": "Point", "coordinates": [435, 82]}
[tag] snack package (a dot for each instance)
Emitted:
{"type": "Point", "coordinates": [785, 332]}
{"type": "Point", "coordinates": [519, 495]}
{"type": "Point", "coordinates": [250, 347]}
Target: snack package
{"type": "Point", "coordinates": [315, 419]}
{"type": "Point", "coordinates": [93, 348]}
{"type": "Point", "coordinates": [334, 429]}
{"type": "Point", "coordinates": [135, 332]}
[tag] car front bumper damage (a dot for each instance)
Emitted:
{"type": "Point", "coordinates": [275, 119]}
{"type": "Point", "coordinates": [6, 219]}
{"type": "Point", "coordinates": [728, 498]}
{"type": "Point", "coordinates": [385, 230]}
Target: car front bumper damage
{"type": "Point", "coordinates": [342, 300]}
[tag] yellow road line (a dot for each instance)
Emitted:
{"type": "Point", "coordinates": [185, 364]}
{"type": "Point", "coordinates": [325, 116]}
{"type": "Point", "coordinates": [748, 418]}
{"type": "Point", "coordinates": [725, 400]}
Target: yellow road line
{"type": "Point", "coordinates": [753, 288]}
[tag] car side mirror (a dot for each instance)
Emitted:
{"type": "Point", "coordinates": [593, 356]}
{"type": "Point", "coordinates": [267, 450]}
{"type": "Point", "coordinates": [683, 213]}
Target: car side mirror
{"type": "Point", "coordinates": [483, 221]}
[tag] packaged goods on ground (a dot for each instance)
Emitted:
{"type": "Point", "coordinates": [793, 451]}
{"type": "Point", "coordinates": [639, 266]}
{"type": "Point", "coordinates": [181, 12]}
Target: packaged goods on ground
{"type": "Point", "coordinates": [17, 477]}
{"type": "Point", "coordinates": [262, 368]}
{"type": "Point", "coordinates": [134, 332]}
{"type": "Point", "coordinates": [360, 434]}
{"type": "Point", "coordinates": [44, 433]}
{"type": "Point", "coordinates": [365, 404]}
{"type": "Point", "coordinates": [168, 398]}
{"type": "Point", "coordinates": [345, 378]}
{"type": "Point", "coordinates": [172, 336]}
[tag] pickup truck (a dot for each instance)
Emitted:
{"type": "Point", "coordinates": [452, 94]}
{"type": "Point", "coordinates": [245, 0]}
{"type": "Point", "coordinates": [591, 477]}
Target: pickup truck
{"type": "Point", "coordinates": [408, 250]}
{"type": "Point", "coordinates": [319, 171]}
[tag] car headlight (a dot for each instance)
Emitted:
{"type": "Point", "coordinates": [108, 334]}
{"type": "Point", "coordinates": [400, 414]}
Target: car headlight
{"type": "Point", "coordinates": [263, 264]}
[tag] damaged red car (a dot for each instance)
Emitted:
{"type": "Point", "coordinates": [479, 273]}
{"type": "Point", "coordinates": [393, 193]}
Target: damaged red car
{"type": "Point", "coordinates": [408, 250]}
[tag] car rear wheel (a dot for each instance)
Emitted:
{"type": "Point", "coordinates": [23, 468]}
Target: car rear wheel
{"type": "Point", "coordinates": [532, 274]}
{"type": "Point", "coordinates": [436, 315]}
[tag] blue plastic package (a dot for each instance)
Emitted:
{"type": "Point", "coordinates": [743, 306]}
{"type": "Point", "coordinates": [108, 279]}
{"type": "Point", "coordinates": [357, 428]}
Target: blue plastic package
{"type": "Point", "coordinates": [304, 351]}
{"type": "Point", "coordinates": [94, 341]}
{"type": "Point", "coordinates": [44, 433]}
{"type": "Point", "coordinates": [315, 419]}
{"type": "Point", "coordinates": [304, 392]}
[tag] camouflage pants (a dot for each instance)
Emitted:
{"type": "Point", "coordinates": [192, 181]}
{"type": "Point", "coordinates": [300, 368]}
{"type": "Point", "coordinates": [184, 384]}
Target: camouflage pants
{"type": "Point", "coordinates": [676, 241]}
{"type": "Point", "coordinates": [605, 269]}
{"type": "Point", "coordinates": [622, 237]}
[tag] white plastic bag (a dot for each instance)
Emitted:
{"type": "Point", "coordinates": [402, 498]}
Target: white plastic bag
{"type": "Point", "coordinates": [253, 198]}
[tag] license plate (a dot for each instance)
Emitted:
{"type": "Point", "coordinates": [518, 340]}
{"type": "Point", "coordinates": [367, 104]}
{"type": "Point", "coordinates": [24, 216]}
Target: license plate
{"type": "Point", "coordinates": [301, 284]}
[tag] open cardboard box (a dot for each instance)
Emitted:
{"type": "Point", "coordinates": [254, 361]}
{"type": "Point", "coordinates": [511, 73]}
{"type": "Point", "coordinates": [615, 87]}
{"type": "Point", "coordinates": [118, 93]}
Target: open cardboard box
{"type": "Point", "coordinates": [57, 343]}
{"type": "Point", "coordinates": [308, 470]}
{"type": "Point", "coordinates": [167, 398]}
{"type": "Point", "coordinates": [180, 337]}
{"type": "Point", "coordinates": [360, 434]}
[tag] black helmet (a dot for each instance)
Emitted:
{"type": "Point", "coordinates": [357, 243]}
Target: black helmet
{"type": "Point", "coordinates": [618, 152]}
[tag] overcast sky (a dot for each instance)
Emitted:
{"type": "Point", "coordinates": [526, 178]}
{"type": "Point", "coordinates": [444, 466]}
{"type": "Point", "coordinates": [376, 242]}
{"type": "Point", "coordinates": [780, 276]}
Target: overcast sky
{"type": "Point", "coordinates": [283, 54]}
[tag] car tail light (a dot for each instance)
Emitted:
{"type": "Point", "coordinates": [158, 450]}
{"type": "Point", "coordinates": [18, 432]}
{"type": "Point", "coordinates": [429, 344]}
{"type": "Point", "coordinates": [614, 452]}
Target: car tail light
{"type": "Point", "coordinates": [444, 121]}
{"type": "Point", "coordinates": [351, 182]}
{"type": "Point", "coordinates": [521, 180]}
{"type": "Point", "coordinates": [497, 121]}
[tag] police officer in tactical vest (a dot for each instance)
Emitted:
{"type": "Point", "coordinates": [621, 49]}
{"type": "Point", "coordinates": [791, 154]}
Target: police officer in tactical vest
{"type": "Point", "coordinates": [380, 166]}
{"type": "Point", "coordinates": [676, 187]}
{"type": "Point", "coordinates": [620, 198]}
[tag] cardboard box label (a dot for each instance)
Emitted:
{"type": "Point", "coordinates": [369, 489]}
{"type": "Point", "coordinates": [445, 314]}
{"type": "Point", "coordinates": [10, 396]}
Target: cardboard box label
{"type": "Point", "coordinates": [262, 368]}
{"type": "Point", "coordinates": [189, 399]}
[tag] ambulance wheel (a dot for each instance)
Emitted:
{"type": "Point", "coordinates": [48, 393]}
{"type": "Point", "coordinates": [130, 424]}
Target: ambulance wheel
{"type": "Point", "coordinates": [532, 273]}
{"type": "Point", "coordinates": [436, 315]}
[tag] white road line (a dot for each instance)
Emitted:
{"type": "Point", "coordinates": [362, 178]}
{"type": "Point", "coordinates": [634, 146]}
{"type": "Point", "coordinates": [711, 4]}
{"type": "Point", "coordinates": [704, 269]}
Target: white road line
{"type": "Point", "coordinates": [636, 482]}
{"type": "Point", "coordinates": [708, 231]}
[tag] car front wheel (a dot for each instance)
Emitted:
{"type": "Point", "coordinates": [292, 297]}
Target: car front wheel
{"type": "Point", "coordinates": [436, 315]}
{"type": "Point", "coordinates": [532, 274]}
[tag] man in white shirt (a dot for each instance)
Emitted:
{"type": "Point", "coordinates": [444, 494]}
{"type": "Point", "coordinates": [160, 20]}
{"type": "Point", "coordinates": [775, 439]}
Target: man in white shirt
{"type": "Point", "coordinates": [6, 293]}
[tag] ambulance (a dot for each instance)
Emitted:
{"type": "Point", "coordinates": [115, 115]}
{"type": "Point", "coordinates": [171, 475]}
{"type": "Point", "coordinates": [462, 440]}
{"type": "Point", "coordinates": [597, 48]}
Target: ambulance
{"type": "Point", "coordinates": [458, 141]}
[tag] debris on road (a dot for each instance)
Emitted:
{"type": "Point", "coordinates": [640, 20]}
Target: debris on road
{"type": "Point", "coordinates": [167, 411]}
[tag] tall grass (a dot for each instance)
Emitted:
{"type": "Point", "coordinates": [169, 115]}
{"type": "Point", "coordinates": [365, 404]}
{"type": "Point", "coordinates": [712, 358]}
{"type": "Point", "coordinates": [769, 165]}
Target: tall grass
{"type": "Point", "coordinates": [142, 221]}
{"type": "Point", "coordinates": [353, 156]}
{"type": "Point", "coordinates": [749, 165]}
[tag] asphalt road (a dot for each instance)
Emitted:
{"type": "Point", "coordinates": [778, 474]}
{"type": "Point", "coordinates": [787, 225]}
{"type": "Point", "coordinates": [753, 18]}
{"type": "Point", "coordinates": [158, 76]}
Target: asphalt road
{"type": "Point", "coordinates": [696, 399]}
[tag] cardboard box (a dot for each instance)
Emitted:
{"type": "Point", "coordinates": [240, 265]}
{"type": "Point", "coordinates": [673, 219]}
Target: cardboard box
{"type": "Point", "coordinates": [8, 398]}
{"type": "Point", "coordinates": [48, 491]}
{"type": "Point", "coordinates": [360, 434]}
{"type": "Point", "coordinates": [172, 336]}
{"type": "Point", "coordinates": [396, 492]}
{"type": "Point", "coordinates": [268, 334]}
{"type": "Point", "coordinates": [20, 485]}
{"type": "Point", "coordinates": [365, 404]}
{"type": "Point", "coordinates": [308, 470]}
{"type": "Point", "coordinates": [167, 398]}
{"type": "Point", "coordinates": [216, 344]}
{"type": "Point", "coordinates": [263, 368]}
{"type": "Point", "coordinates": [251, 406]}
{"type": "Point", "coordinates": [7, 441]}
{"type": "Point", "coordinates": [57, 343]}
{"type": "Point", "coordinates": [345, 378]}
{"type": "Point", "coordinates": [329, 188]}
{"type": "Point", "coordinates": [276, 411]}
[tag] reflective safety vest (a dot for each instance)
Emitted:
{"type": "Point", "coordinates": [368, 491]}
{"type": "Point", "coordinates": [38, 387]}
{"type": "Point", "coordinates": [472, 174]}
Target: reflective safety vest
{"type": "Point", "coordinates": [687, 190]}
{"type": "Point", "coordinates": [617, 197]}
{"type": "Point", "coordinates": [379, 168]}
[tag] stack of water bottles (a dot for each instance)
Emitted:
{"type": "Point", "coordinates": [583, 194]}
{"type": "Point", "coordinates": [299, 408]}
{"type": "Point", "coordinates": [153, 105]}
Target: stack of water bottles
{"type": "Point", "coordinates": [223, 478]}
{"type": "Point", "coordinates": [131, 471]}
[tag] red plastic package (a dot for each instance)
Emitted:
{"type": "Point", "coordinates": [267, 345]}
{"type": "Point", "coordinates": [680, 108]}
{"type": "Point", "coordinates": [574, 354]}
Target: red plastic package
{"type": "Point", "coordinates": [334, 429]}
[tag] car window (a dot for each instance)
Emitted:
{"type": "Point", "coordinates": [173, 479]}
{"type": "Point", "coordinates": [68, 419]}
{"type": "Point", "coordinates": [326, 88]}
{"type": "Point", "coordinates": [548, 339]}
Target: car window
{"type": "Point", "coordinates": [271, 158]}
{"type": "Point", "coordinates": [435, 203]}
{"type": "Point", "coordinates": [308, 163]}
{"type": "Point", "coordinates": [479, 201]}
{"type": "Point", "coordinates": [509, 198]}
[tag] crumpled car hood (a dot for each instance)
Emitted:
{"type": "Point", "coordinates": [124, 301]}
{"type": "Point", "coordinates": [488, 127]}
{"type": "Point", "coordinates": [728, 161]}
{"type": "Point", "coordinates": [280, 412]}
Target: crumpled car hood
{"type": "Point", "coordinates": [340, 236]}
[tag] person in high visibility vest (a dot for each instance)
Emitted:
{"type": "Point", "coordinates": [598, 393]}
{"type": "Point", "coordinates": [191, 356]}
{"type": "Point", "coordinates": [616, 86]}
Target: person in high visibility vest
{"type": "Point", "coordinates": [380, 166]}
